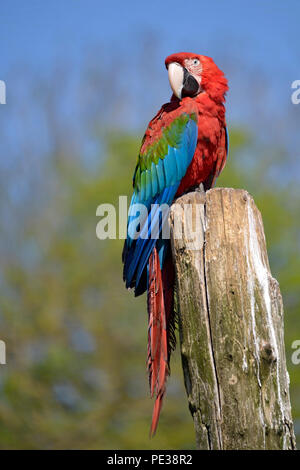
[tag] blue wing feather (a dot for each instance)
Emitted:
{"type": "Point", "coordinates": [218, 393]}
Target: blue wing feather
{"type": "Point", "coordinates": [158, 186]}
{"type": "Point", "coordinates": [161, 175]}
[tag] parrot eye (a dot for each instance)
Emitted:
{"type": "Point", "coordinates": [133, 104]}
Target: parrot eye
{"type": "Point", "coordinates": [196, 62]}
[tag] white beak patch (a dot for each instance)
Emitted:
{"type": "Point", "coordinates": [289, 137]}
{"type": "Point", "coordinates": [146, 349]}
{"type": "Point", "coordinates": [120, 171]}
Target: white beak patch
{"type": "Point", "coordinates": [175, 73]}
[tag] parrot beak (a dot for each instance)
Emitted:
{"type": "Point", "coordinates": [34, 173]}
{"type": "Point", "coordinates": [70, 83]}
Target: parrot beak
{"type": "Point", "coordinates": [181, 81]}
{"type": "Point", "coordinates": [176, 74]}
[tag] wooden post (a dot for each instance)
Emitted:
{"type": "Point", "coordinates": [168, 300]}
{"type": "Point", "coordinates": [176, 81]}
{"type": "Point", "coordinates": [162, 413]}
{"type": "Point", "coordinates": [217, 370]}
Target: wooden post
{"type": "Point", "coordinates": [231, 323]}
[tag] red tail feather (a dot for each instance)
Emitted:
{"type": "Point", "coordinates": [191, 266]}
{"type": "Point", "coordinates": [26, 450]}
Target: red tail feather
{"type": "Point", "coordinates": [161, 338]}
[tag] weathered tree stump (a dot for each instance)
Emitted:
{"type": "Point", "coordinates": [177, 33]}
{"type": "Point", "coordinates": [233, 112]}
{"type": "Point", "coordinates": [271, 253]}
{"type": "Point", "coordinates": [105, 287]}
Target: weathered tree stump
{"type": "Point", "coordinates": [231, 323]}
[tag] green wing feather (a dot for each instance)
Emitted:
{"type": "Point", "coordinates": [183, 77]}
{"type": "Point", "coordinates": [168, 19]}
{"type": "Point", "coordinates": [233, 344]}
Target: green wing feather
{"type": "Point", "coordinates": [165, 161]}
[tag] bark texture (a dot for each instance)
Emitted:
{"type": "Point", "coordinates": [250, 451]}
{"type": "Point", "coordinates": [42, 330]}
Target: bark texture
{"type": "Point", "coordinates": [231, 323]}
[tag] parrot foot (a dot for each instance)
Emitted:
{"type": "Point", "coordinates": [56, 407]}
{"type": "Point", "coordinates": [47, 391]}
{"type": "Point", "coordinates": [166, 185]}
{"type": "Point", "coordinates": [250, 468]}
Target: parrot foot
{"type": "Point", "coordinates": [200, 188]}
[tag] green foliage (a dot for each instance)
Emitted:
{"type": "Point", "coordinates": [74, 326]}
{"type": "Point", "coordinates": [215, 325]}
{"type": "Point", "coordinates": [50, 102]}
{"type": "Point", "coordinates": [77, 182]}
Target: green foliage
{"type": "Point", "coordinates": [76, 339]}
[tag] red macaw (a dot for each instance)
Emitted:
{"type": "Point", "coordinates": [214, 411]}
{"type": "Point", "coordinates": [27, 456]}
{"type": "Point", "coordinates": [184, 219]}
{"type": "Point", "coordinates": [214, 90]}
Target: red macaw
{"type": "Point", "coordinates": [185, 144]}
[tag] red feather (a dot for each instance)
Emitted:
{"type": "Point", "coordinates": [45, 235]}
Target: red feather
{"type": "Point", "coordinates": [161, 336]}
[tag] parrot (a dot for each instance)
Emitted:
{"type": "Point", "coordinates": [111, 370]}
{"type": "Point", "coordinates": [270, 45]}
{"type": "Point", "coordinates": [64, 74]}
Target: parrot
{"type": "Point", "coordinates": [184, 147]}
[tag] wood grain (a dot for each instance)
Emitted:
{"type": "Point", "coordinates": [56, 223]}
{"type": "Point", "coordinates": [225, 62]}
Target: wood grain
{"type": "Point", "coordinates": [231, 323]}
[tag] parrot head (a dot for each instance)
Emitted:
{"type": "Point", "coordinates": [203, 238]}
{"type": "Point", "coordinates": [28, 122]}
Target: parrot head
{"type": "Point", "coordinates": [192, 74]}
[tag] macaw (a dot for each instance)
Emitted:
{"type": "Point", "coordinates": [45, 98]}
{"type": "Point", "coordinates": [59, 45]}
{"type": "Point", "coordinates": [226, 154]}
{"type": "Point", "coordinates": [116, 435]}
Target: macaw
{"type": "Point", "coordinates": [185, 145]}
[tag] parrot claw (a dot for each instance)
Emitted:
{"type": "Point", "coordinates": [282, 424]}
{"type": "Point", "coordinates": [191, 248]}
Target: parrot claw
{"type": "Point", "coordinates": [200, 188]}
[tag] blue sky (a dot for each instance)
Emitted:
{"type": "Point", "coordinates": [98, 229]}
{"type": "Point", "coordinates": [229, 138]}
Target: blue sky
{"type": "Point", "coordinates": [37, 32]}
{"type": "Point", "coordinates": [255, 43]}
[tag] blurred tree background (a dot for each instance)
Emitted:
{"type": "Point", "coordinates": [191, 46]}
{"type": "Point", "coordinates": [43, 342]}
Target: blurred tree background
{"type": "Point", "coordinates": [76, 339]}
